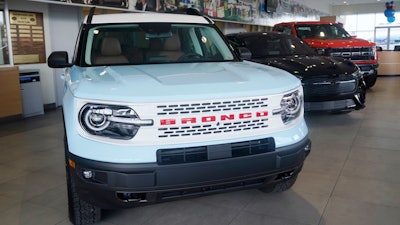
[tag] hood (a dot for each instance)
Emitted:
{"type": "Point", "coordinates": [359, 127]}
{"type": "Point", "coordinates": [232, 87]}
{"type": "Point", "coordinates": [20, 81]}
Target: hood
{"type": "Point", "coordinates": [311, 66]}
{"type": "Point", "coordinates": [170, 82]}
{"type": "Point", "coordinates": [338, 43]}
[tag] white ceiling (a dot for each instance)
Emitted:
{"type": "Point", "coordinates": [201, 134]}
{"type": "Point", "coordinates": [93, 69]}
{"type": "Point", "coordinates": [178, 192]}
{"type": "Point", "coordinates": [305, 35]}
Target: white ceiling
{"type": "Point", "coordinates": [354, 2]}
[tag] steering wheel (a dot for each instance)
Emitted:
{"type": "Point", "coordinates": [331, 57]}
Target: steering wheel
{"type": "Point", "coordinates": [189, 56]}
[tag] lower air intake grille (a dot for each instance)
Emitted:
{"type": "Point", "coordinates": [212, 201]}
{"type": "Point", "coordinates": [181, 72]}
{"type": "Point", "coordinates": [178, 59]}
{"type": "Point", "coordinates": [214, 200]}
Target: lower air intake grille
{"type": "Point", "coordinates": [206, 153]}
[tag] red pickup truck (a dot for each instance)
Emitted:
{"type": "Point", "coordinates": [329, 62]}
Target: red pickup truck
{"type": "Point", "coordinates": [332, 40]}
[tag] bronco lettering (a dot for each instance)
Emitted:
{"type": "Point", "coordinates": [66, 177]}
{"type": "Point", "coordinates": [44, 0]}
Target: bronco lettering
{"type": "Point", "coordinates": [207, 119]}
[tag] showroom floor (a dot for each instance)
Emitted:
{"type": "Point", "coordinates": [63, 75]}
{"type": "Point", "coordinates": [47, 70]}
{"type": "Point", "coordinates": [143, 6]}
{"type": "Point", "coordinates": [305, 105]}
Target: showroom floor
{"type": "Point", "coordinates": [350, 178]}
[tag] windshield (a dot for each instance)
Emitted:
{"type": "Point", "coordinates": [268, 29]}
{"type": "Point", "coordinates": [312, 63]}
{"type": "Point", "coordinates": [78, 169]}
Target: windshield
{"type": "Point", "coordinates": [322, 31]}
{"type": "Point", "coordinates": [262, 46]}
{"type": "Point", "coordinates": [154, 43]}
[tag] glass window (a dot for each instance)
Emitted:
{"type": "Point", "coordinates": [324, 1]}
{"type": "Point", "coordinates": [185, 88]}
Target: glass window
{"type": "Point", "coordinates": [322, 31]}
{"type": "Point", "coordinates": [350, 23]}
{"type": "Point", "coordinates": [381, 37]}
{"type": "Point", "coordinates": [366, 22]}
{"type": "Point", "coordinates": [4, 53]}
{"type": "Point", "coordinates": [367, 35]}
{"type": "Point", "coordinates": [154, 43]}
{"type": "Point", "coordinates": [374, 27]}
{"type": "Point", "coordinates": [394, 39]}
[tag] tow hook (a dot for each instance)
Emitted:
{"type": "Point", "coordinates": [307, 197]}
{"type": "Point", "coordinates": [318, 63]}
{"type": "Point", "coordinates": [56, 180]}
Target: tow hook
{"type": "Point", "coordinates": [132, 197]}
{"type": "Point", "coordinates": [286, 175]}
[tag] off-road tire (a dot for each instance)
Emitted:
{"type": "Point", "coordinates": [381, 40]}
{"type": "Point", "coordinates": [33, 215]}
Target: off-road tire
{"type": "Point", "coordinates": [281, 186]}
{"type": "Point", "coordinates": [80, 212]}
{"type": "Point", "coordinates": [371, 80]}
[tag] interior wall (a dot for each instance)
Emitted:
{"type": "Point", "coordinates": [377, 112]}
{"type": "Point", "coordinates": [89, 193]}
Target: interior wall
{"type": "Point", "coordinates": [318, 5]}
{"type": "Point", "coordinates": [61, 25]}
{"type": "Point", "coordinates": [46, 74]}
{"type": "Point", "coordinates": [64, 27]}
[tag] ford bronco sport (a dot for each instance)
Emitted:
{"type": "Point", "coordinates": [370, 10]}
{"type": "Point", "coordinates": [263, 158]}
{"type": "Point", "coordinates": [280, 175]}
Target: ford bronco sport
{"type": "Point", "coordinates": [159, 107]}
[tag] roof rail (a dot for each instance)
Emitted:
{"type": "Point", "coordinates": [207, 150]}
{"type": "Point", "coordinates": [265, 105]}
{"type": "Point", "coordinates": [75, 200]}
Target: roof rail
{"type": "Point", "coordinates": [192, 11]}
{"type": "Point", "coordinates": [90, 16]}
{"type": "Point", "coordinates": [188, 11]}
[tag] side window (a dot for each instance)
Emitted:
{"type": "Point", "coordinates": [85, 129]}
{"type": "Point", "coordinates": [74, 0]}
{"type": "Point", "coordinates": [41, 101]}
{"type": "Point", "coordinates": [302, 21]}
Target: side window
{"type": "Point", "coordinates": [278, 29]}
{"type": "Point", "coordinates": [304, 32]}
{"type": "Point", "coordinates": [284, 29]}
{"type": "Point", "coordinates": [287, 30]}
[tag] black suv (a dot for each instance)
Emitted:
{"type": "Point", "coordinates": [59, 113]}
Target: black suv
{"type": "Point", "coordinates": [330, 83]}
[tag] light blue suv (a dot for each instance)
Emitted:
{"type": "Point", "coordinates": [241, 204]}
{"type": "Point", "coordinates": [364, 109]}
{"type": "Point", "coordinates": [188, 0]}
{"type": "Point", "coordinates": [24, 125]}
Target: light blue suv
{"type": "Point", "coordinates": [159, 107]}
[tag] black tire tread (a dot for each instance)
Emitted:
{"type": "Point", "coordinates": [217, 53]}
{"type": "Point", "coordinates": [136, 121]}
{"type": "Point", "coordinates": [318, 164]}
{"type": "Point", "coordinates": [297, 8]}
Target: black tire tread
{"type": "Point", "coordinates": [370, 80]}
{"type": "Point", "coordinates": [79, 211]}
{"type": "Point", "coordinates": [281, 186]}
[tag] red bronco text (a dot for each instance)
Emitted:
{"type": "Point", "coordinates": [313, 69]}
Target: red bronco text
{"type": "Point", "coordinates": [213, 118]}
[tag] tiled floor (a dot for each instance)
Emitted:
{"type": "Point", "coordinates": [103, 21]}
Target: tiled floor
{"type": "Point", "coordinates": [351, 176]}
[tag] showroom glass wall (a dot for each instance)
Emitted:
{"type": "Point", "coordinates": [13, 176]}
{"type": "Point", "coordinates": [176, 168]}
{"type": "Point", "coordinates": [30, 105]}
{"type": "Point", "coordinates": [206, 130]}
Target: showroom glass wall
{"type": "Point", "coordinates": [374, 27]}
{"type": "Point", "coordinates": [4, 41]}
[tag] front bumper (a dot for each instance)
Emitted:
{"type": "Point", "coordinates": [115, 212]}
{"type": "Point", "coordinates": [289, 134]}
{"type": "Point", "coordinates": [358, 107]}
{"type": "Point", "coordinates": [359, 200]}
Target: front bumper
{"type": "Point", "coordinates": [368, 69]}
{"type": "Point", "coordinates": [338, 93]}
{"type": "Point", "coordinates": [345, 104]}
{"type": "Point", "coordinates": [119, 185]}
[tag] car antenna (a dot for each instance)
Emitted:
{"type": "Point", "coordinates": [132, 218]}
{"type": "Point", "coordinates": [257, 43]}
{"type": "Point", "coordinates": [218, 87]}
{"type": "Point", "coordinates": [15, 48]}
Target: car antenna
{"type": "Point", "coordinates": [90, 16]}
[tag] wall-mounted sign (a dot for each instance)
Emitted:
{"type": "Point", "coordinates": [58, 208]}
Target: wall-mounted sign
{"type": "Point", "coordinates": [25, 18]}
{"type": "Point", "coordinates": [27, 36]}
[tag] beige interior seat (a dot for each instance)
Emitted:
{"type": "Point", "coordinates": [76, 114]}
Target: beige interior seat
{"type": "Point", "coordinates": [172, 48]}
{"type": "Point", "coordinates": [111, 52]}
{"type": "Point", "coordinates": [167, 50]}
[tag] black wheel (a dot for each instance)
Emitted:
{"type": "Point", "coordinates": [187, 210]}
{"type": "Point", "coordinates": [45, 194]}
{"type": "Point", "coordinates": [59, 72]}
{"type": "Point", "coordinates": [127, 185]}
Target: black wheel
{"type": "Point", "coordinates": [359, 99]}
{"type": "Point", "coordinates": [363, 95]}
{"type": "Point", "coordinates": [281, 186]}
{"type": "Point", "coordinates": [371, 80]}
{"type": "Point", "coordinates": [80, 212]}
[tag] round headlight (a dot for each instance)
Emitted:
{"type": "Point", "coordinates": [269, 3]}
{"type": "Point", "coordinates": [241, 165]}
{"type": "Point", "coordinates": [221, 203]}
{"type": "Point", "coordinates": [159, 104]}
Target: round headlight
{"type": "Point", "coordinates": [95, 121]}
{"type": "Point", "coordinates": [291, 106]}
{"type": "Point", "coordinates": [118, 122]}
{"type": "Point", "coordinates": [291, 103]}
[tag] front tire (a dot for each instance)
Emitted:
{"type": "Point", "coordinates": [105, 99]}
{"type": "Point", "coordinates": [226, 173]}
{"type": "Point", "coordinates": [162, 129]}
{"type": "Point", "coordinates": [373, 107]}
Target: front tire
{"type": "Point", "coordinates": [80, 212]}
{"type": "Point", "coordinates": [281, 186]}
{"type": "Point", "coordinates": [371, 79]}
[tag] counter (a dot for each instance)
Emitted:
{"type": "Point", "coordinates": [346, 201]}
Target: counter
{"type": "Point", "coordinates": [389, 63]}
{"type": "Point", "coordinates": [10, 92]}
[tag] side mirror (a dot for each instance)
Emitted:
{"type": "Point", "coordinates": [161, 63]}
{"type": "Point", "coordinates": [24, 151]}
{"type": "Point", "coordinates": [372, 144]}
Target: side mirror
{"type": "Point", "coordinates": [58, 60]}
{"type": "Point", "coordinates": [244, 53]}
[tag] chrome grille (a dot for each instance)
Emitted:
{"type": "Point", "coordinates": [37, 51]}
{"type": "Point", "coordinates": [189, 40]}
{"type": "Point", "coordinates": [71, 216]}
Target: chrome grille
{"type": "Point", "coordinates": [356, 53]}
{"type": "Point", "coordinates": [329, 86]}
